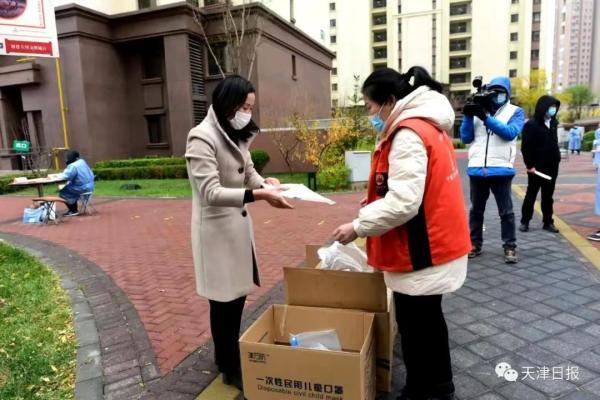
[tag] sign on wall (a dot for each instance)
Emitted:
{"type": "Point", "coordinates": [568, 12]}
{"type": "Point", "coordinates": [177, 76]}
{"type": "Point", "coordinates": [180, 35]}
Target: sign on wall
{"type": "Point", "coordinates": [28, 28]}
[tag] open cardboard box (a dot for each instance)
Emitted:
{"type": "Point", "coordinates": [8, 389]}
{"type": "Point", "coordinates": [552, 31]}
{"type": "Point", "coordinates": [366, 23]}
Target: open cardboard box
{"type": "Point", "coordinates": [273, 370]}
{"type": "Point", "coordinates": [365, 291]}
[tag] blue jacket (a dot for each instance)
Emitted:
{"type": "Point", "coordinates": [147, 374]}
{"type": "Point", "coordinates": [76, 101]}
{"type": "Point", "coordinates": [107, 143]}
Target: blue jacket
{"type": "Point", "coordinates": [80, 180]}
{"type": "Point", "coordinates": [507, 131]}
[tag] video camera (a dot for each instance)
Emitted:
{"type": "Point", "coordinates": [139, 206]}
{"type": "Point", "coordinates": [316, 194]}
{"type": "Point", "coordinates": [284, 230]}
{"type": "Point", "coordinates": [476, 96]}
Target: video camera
{"type": "Point", "coordinates": [483, 97]}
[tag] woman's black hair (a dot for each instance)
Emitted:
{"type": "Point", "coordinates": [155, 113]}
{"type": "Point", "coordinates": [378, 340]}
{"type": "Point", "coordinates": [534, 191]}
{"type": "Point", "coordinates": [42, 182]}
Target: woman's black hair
{"type": "Point", "coordinates": [384, 83]}
{"type": "Point", "coordinates": [229, 95]}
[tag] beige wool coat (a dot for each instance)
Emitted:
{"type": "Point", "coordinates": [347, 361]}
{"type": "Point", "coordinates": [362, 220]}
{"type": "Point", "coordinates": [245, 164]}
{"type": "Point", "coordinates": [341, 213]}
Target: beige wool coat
{"type": "Point", "coordinates": [222, 233]}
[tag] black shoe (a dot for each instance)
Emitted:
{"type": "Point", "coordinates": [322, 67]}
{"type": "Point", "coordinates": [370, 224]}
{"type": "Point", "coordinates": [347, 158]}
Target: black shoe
{"type": "Point", "coordinates": [510, 256]}
{"type": "Point", "coordinates": [595, 237]}
{"type": "Point", "coordinates": [551, 228]}
{"type": "Point", "coordinates": [71, 214]}
{"type": "Point", "coordinates": [234, 380]}
{"type": "Point", "coordinates": [475, 251]}
{"type": "Point", "coordinates": [524, 227]}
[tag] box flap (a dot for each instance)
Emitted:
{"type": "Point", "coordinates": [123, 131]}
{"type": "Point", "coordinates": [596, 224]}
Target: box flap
{"type": "Point", "coordinates": [336, 289]}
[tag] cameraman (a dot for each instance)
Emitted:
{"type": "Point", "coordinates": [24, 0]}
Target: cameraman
{"type": "Point", "coordinates": [492, 131]}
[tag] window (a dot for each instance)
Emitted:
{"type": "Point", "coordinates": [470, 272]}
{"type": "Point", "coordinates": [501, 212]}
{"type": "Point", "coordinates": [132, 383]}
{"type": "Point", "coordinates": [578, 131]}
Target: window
{"type": "Point", "coordinates": [156, 129]}
{"type": "Point", "coordinates": [537, 16]}
{"type": "Point", "coordinates": [211, 2]}
{"type": "Point", "coordinates": [535, 54]}
{"type": "Point", "coordinates": [379, 3]}
{"type": "Point", "coordinates": [380, 36]}
{"type": "Point", "coordinates": [512, 73]}
{"type": "Point", "coordinates": [535, 36]}
{"type": "Point", "coordinates": [294, 74]}
{"type": "Point", "coordinates": [152, 59]}
{"type": "Point", "coordinates": [333, 39]}
{"type": "Point", "coordinates": [434, 4]}
{"type": "Point", "coordinates": [513, 55]}
{"type": "Point", "coordinates": [458, 62]}
{"type": "Point", "coordinates": [399, 28]}
{"type": "Point", "coordinates": [331, 6]}
{"type": "Point", "coordinates": [220, 50]}
{"type": "Point", "coordinates": [515, 1]}
{"type": "Point", "coordinates": [458, 45]}
{"type": "Point", "coordinates": [459, 9]}
{"type": "Point", "coordinates": [334, 87]}
{"type": "Point", "coordinates": [194, 3]}
{"type": "Point", "coordinates": [334, 71]}
{"type": "Point", "coordinates": [514, 18]}
{"type": "Point", "coordinates": [332, 23]}
{"type": "Point", "coordinates": [514, 36]}
{"type": "Point", "coordinates": [459, 78]}
{"type": "Point", "coordinates": [380, 52]}
{"type": "Point", "coordinates": [379, 66]}
{"type": "Point", "coordinates": [458, 27]}
{"type": "Point", "coordinates": [379, 19]}
{"type": "Point", "coordinates": [537, 1]}
{"type": "Point", "coordinates": [564, 17]}
{"type": "Point", "coordinates": [399, 7]}
{"type": "Point", "coordinates": [146, 3]}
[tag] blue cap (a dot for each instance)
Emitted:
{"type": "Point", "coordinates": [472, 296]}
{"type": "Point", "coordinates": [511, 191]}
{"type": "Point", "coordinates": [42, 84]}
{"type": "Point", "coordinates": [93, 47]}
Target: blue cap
{"type": "Point", "coordinates": [294, 341]}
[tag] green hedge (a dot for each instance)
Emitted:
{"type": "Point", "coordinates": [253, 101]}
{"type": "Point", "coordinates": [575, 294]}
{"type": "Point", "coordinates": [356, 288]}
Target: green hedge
{"type": "Point", "coordinates": [333, 178]}
{"type": "Point", "coordinates": [140, 162]}
{"type": "Point", "coordinates": [150, 172]}
{"type": "Point", "coordinates": [588, 141]}
{"type": "Point", "coordinates": [260, 158]}
{"type": "Point", "coordinates": [6, 180]}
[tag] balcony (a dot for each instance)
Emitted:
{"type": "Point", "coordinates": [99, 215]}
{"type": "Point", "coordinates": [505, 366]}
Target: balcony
{"type": "Point", "coordinates": [459, 12]}
{"type": "Point", "coordinates": [460, 29]}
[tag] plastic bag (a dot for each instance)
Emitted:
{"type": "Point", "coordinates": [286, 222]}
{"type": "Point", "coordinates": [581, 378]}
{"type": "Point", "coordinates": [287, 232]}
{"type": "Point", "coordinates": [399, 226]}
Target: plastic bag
{"type": "Point", "coordinates": [33, 215]}
{"type": "Point", "coordinates": [344, 258]}
{"type": "Point", "coordinates": [317, 340]}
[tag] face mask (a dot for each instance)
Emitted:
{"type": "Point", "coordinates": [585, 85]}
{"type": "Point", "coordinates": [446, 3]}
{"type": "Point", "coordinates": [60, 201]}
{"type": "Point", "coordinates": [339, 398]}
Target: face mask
{"type": "Point", "coordinates": [552, 112]}
{"type": "Point", "coordinates": [376, 121]}
{"type": "Point", "coordinates": [500, 98]}
{"type": "Point", "coordinates": [240, 120]}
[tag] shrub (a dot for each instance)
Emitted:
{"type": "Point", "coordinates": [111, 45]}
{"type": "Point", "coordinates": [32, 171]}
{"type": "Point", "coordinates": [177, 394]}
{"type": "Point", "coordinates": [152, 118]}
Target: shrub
{"type": "Point", "coordinates": [150, 172]}
{"type": "Point", "coordinates": [6, 180]}
{"type": "Point", "coordinates": [458, 144]}
{"type": "Point", "coordinates": [260, 158]}
{"type": "Point", "coordinates": [333, 178]}
{"type": "Point", "coordinates": [588, 140]}
{"type": "Point", "coordinates": [140, 162]}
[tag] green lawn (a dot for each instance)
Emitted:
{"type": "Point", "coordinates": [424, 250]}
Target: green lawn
{"type": "Point", "coordinates": [37, 340]}
{"type": "Point", "coordinates": [153, 187]}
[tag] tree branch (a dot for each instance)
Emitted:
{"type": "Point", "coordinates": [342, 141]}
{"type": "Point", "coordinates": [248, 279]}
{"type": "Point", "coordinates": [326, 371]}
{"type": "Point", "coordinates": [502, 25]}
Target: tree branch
{"type": "Point", "coordinates": [198, 20]}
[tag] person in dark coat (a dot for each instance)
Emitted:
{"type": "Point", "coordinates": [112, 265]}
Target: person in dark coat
{"type": "Point", "coordinates": [541, 153]}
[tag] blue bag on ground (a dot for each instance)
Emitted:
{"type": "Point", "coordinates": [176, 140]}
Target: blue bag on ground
{"type": "Point", "coordinates": [33, 215]}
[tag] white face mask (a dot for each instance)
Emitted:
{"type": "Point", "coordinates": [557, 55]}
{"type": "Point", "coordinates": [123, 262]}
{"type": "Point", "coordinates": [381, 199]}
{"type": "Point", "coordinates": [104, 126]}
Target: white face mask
{"type": "Point", "coordinates": [240, 120]}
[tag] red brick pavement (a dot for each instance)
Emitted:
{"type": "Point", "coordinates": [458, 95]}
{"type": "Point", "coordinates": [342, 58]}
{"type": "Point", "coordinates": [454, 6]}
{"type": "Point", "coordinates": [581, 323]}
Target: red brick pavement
{"type": "Point", "coordinates": [144, 245]}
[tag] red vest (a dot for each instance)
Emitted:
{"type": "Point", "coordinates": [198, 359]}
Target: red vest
{"type": "Point", "coordinates": [439, 233]}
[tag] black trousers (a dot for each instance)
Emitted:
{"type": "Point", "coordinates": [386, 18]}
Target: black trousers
{"type": "Point", "coordinates": [500, 186]}
{"type": "Point", "coordinates": [425, 348]}
{"type": "Point", "coordinates": [225, 321]}
{"type": "Point", "coordinates": [534, 184]}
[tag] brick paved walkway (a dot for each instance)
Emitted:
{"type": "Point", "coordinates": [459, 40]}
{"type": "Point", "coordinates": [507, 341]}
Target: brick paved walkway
{"type": "Point", "coordinates": [144, 246]}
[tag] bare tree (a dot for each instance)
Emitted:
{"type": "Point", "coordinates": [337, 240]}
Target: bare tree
{"type": "Point", "coordinates": [242, 36]}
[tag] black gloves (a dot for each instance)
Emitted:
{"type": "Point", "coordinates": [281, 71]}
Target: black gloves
{"type": "Point", "coordinates": [475, 110]}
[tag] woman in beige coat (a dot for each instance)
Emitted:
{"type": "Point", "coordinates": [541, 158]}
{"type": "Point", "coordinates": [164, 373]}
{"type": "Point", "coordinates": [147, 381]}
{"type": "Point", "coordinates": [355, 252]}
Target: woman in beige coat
{"type": "Point", "coordinates": [223, 181]}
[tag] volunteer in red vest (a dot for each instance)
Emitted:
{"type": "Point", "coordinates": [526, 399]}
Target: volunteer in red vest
{"type": "Point", "coordinates": [414, 219]}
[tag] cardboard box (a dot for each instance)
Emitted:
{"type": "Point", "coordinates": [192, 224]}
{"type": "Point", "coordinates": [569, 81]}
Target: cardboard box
{"type": "Point", "coordinates": [272, 370]}
{"type": "Point", "coordinates": [348, 290]}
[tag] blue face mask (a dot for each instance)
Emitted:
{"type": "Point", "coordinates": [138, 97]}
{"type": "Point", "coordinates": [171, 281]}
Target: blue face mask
{"type": "Point", "coordinates": [500, 98]}
{"type": "Point", "coordinates": [552, 112]}
{"type": "Point", "coordinates": [376, 121]}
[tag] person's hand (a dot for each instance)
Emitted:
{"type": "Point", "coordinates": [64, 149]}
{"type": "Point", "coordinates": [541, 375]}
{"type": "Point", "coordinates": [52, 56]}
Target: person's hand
{"type": "Point", "coordinates": [479, 112]}
{"type": "Point", "coordinates": [531, 170]}
{"type": "Point", "coordinates": [273, 197]}
{"type": "Point", "coordinates": [272, 181]}
{"type": "Point", "coordinates": [364, 201]}
{"type": "Point", "coordinates": [345, 233]}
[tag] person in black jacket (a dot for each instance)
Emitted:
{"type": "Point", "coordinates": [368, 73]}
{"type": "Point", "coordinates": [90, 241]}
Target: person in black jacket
{"type": "Point", "coordinates": [541, 153]}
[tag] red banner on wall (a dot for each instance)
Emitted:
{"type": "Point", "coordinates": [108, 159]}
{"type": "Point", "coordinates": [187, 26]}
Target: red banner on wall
{"type": "Point", "coordinates": [27, 47]}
